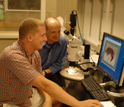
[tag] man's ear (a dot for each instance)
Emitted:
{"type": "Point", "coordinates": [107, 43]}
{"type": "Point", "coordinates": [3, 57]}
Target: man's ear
{"type": "Point", "coordinates": [29, 36]}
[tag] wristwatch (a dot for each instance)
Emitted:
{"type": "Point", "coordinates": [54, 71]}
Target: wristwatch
{"type": "Point", "coordinates": [45, 72]}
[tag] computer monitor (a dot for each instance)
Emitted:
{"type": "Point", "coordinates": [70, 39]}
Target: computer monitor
{"type": "Point", "coordinates": [111, 58]}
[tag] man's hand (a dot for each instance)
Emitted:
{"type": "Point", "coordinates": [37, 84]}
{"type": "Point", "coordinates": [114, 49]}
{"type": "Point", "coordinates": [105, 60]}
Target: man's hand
{"type": "Point", "coordinates": [90, 103]}
{"type": "Point", "coordinates": [44, 74]}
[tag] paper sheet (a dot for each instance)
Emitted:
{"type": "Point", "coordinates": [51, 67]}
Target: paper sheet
{"type": "Point", "coordinates": [108, 104]}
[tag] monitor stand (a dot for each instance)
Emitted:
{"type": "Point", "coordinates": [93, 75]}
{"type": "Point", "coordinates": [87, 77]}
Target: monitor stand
{"type": "Point", "coordinates": [114, 94]}
{"type": "Point", "coordinates": [111, 83]}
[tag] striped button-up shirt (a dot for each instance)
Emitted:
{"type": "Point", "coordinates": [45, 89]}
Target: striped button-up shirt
{"type": "Point", "coordinates": [15, 74]}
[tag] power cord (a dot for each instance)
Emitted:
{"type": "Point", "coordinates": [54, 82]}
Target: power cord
{"type": "Point", "coordinates": [92, 63]}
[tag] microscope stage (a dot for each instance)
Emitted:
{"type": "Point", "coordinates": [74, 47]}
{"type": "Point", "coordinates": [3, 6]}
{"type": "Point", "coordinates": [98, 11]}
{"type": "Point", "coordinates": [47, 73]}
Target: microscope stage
{"type": "Point", "coordinates": [72, 73]}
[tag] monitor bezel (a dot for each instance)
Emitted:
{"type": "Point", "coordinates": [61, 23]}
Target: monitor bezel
{"type": "Point", "coordinates": [121, 78]}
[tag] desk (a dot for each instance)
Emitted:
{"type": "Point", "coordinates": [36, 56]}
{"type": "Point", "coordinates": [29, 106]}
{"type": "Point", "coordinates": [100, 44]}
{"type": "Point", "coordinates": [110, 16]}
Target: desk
{"type": "Point", "coordinates": [75, 89]}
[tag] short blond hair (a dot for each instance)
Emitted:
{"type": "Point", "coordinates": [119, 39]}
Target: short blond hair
{"type": "Point", "coordinates": [29, 25]}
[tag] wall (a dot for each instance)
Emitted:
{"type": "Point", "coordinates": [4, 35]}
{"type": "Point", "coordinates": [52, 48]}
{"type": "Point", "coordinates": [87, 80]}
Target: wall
{"type": "Point", "coordinates": [51, 8]}
{"type": "Point", "coordinates": [54, 8]}
{"type": "Point", "coordinates": [65, 7]}
{"type": "Point", "coordinates": [5, 42]}
{"type": "Point", "coordinates": [61, 8]}
{"type": "Point", "coordinates": [118, 25]}
{"type": "Point", "coordinates": [100, 16]}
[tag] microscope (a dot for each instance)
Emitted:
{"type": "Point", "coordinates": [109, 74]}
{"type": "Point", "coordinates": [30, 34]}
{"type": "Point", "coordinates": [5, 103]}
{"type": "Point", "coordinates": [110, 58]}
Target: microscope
{"type": "Point", "coordinates": [74, 44]}
{"type": "Point", "coordinates": [74, 53]}
{"type": "Point", "coordinates": [74, 49]}
{"type": "Point", "coordinates": [74, 56]}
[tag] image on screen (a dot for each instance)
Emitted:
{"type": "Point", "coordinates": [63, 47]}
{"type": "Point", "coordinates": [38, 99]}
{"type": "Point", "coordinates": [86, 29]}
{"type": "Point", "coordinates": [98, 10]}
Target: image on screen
{"type": "Point", "coordinates": [111, 52]}
{"type": "Point", "coordinates": [111, 57]}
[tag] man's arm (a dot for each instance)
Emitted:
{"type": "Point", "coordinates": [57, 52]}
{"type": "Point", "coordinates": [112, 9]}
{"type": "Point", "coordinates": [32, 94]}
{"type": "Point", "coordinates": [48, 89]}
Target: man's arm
{"type": "Point", "coordinates": [47, 97]}
{"type": "Point", "coordinates": [59, 94]}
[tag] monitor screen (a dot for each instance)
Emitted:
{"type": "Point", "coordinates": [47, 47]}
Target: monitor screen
{"type": "Point", "coordinates": [111, 58]}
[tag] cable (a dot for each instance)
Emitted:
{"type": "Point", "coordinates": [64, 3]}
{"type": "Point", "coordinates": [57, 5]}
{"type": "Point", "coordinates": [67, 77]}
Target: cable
{"type": "Point", "coordinates": [80, 32]}
{"type": "Point", "coordinates": [81, 36]}
{"type": "Point", "coordinates": [93, 64]}
{"type": "Point", "coordinates": [78, 25]}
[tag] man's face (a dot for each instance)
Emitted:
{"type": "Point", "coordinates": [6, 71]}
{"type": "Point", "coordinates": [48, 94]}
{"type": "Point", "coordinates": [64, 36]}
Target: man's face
{"type": "Point", "coordinates": [53, 33]}
{"type": "Point", "coordinates": [39, 38]}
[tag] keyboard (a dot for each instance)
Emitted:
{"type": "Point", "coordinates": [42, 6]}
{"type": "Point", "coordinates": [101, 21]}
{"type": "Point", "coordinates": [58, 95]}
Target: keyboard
{"type": "Point", "coordinates": [95, 90]}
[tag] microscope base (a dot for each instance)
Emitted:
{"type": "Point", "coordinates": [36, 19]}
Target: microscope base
{"type": "Point", "coordinates": [77, 74]}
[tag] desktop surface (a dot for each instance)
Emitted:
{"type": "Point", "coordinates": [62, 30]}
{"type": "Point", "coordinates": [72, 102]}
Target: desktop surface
{"type": "Point", "coordinates": [75, 89]}
{"type": "Point", "coordinates": [109, 68]}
